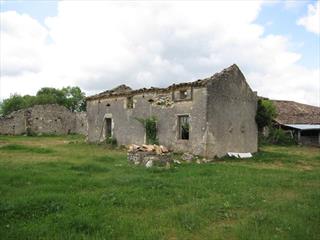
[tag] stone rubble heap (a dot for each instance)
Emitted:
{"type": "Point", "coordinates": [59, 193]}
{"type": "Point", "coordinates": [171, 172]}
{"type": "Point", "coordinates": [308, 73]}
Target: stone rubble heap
{"type": "Point", "coordinates": [149, 155]}
{"type": "Point", "coordinates": [164, 101]}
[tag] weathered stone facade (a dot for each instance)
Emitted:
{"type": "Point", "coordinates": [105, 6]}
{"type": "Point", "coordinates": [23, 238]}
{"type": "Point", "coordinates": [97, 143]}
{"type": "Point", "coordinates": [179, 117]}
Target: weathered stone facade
{"type": "Point", "coordinates": [220, 111]}
{"type": "Point", "coordinates": [44, 119]}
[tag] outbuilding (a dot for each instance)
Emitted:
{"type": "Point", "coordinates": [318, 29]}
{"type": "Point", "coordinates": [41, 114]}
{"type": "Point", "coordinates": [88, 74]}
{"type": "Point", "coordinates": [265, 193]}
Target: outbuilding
{"type": "Point", "coordinates": [302, 121]}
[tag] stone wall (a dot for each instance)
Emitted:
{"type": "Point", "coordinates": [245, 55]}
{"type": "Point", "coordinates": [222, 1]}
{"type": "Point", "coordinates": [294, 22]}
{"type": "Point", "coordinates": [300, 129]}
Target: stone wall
{"type": "Point", "coordinates": [231, 115]}
{"type": "Point", "coordinates": [127, 129]}
{"type": "Point", "coordinates": [44, 119]}
{"type": "Point", "coordinates": [81, 126]}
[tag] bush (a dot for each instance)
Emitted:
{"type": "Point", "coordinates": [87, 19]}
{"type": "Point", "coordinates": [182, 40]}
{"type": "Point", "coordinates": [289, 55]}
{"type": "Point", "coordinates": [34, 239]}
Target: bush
{"type": "Point", "coordinates": [150, 125]}
{"type": "Point", "coordinates": [111, 141]}
{"type": "Point", "coordinates": [276, 136]}
{"type": "Point", "coordinates": [266, 112]}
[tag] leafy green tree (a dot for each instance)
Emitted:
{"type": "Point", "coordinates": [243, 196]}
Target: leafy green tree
{"type": "Point", "coordinates": [51, 96]}
{"type": "Point", "coordinates": [75, 99]}
{"type": "Point", "coordinates": [29, 101]}
{"type": "Point", "coordinates": [14, 103]}
{"type": "Point", "coordinates": [266, 112]}
{"type": "Point", "coordinates": [70, 97]}
{"type": "Point", "coordinates": [1, 111]}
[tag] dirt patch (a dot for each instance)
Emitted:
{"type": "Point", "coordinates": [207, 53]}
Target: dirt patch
{"type": "Point", "coordinates": [282, 195]}
{"type": "Point", "coordinates": [303, 166]}
{"type": "Point", "coordinates": [274, 165]}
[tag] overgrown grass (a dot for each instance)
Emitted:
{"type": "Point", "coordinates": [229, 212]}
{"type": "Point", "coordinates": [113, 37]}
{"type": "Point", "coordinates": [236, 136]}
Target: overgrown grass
{"type": "Point", "coordinates": [62, 188]}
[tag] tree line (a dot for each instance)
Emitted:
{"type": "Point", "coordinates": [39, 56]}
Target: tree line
{"type": "Point", "coordinates": [70, 97]}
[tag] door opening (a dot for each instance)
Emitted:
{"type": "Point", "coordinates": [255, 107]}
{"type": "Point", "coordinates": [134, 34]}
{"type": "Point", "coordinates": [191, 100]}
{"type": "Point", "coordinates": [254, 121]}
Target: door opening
{"type": "Point", "coordinates": [108, 127]}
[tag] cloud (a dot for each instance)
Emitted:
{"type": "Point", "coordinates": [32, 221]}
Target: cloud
{"type": "Point", "coordinates": [22, 44]}
{"type": "Point", "coordinates": [98, 45]}
{"type": "Point", "coordinates": [312, 21]}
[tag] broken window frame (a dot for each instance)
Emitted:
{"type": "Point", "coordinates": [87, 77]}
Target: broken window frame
{"type": "Point", "coordinates": [130, 102]}
{"type": "Point", "coordinates": [183, 127]}
{"type": "Point", "coordinates": [178, 96]}
{"type": "Point", "coordinates": [183, 94]}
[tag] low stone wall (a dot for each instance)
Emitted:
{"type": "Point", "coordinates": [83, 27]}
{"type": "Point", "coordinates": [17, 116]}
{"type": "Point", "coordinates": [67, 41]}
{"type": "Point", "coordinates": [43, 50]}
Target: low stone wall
{"type": "Point", "coordinates": [14, 124]}
{"type": "Point", "coordinates": [150, 159]}
{"type": "Point", "coordinates": [44, 119]}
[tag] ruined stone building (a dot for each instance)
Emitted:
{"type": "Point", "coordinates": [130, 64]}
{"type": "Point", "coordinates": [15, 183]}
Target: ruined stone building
{"type": "Point", "coordinates": [44, 119]}
{"type": "Point", "coordinates": [219, 112]}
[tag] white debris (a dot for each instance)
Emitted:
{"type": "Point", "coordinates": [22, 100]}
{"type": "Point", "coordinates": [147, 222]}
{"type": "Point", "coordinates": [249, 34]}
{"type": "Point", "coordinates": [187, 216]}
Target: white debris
{"type": "Point", "coordinates": [239, 155]}
{"type": "Point", "coordinates": [149, 164]}
{"type": "Point", "coordinates": [176, 161]}
{"type": "Point", "coordinates": [245, 155]}
{"type": "Point", "coordinates": [233, 154]}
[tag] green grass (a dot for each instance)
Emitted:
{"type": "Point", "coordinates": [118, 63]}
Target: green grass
{"type": "Point", "coordinates": [55, 187]}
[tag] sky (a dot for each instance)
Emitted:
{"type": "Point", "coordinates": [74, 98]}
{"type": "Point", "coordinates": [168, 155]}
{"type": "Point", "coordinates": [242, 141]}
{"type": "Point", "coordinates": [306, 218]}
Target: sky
{"type": "Point", "coordinates": [98, 45]}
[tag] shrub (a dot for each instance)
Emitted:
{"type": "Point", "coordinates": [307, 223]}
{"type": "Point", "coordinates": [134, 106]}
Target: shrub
{"type": "Point", "coordinates": [266, 112]}
{"type": "Point", "coordinates": [150, 124]}
{"type": "Point", "coordinates": [276, 136]}
{"type": "Point", "coordinates": [112, 141]}
{"type": "Point", "coordinates": [280, 137]}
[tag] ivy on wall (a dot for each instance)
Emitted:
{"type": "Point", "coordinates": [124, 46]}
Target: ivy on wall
{"type": "Point", "coordinates": [150, 125]}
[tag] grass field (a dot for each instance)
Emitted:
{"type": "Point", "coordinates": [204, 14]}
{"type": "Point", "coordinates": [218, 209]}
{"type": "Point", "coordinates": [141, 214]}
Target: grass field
{"type": "Point", "coordinates": [63, 188]}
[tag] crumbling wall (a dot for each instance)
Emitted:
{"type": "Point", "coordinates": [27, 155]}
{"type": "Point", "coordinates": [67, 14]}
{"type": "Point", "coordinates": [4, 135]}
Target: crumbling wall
{"type": "Point", "coordinates": [14, 123]}
{"type": "Point", "coordinates": [81, 123]}
{"type": "Point", "coordinates": [127, 129]}
{"type": "Point", "coordinates": [7, 125]}
{"type": "Point", "coordinates": [52, 119]}
{"type": "Point", "coordinates": [44, 119]}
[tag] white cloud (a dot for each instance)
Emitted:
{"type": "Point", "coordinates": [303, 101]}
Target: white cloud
{"type": "Point", "coordinates": [312, 21]}
{"type": "Point", "coordinates": [98, 45]}
{"type": "Point", "coordinates": [22, 44]}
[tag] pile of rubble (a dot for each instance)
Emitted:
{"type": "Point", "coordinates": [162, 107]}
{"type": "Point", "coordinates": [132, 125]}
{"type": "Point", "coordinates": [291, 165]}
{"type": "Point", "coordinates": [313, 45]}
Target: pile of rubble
{"type": "Point", "coordinates": [149, 155]}
{"type": "Point", "coordinates": [163, 101]}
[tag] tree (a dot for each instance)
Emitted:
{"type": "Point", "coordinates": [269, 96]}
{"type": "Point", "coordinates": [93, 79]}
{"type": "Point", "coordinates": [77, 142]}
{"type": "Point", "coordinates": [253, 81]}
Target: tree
{"type": "Point", "coordinates": [51, 96]}
{"type": "Point", "coordinates": [75, 99]}
{"type": "Point", "coordinates": [70, 97]}
{"type": "Point", "coordinates": [266, 112]}
{"type": "Point", "coordinates": [14, 103]}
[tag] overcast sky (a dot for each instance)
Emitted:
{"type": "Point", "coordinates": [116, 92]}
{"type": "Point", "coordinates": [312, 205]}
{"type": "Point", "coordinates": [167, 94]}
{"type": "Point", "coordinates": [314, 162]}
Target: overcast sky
{"type": "Point", "coordinates": [98, 45]}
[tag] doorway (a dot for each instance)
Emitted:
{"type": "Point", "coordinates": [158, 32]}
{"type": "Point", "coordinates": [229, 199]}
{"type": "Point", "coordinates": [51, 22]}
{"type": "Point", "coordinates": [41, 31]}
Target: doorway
{"type": "Point", "coordinates": [108, 127]}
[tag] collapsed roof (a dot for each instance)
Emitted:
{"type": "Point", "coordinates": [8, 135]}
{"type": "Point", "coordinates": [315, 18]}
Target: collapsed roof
{"type": "Point", "coordinates": [123, 90]}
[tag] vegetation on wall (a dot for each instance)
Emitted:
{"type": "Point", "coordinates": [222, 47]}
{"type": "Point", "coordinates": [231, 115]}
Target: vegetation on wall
{"type": "Point", "coordinates": [70, 97]}
{"type": "Point", "coordinates": [112, 141]}
{"type": "Point", "coordinates": [150, 125]}
{"type": "Point", "coordinates": [266, 112]}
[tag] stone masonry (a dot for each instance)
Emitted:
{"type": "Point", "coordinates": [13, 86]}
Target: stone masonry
{"type": "Point", "coordinates": [44, 119]}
